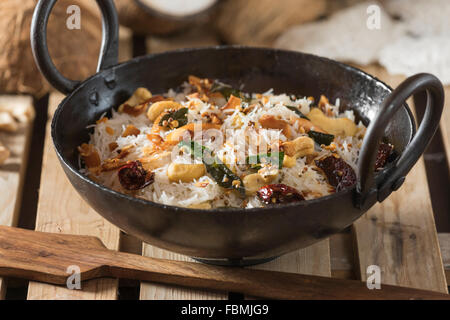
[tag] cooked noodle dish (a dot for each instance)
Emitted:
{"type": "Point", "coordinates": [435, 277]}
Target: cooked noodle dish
{"type": "Point", "coordinates": [208, 145]}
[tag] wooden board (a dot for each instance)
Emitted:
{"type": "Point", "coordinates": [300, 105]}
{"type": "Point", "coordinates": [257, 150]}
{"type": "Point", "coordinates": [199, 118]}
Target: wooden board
{"type": "Point", "coordinates": [313, 260]}
{"type": "Point", "coordinates": [12, 172]}
{"type": "Point", "coordinates": [399, 235]}
{"type": "Point", "coordinates": [150, 291]}
{"type": "Point", "coordinates": [195, 38]}
{"type": "Point", "coordinates": [61, 210]}
{"type": "Point", "coordinates": [445, 124]}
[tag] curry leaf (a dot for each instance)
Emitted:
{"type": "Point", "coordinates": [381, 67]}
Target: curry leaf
{"type": "Point", "coordinates": [214, 166]}
{"type": "Point", "coordinates": [179, 115]}
{"type": "Point", "coordinates": [321, 138]}
{"type": "Point", "coordinates": [298, 112]}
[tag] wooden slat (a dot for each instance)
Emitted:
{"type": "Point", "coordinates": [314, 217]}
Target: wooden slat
{"type": "Point", "coordinates": [61, 210]}
{"type": "Point", "coordinates": [12, 172]}
{"type": "Point", "coordinates": [445, 124]}
{"type": "Point", "coordinates": [342, 259]}
{"type": "Point", "coordinates": [399, 235]}
{"type": "Point", "coordinates": [149, 291]}
{"type": "Point", "coordinates": [342, 256]}
{"type": "Point", "coordinates": [314, 260]}
{"type": "Point", "coordinates": [444, 243]}
{"type": "Point", "coordinates": [125, 44]}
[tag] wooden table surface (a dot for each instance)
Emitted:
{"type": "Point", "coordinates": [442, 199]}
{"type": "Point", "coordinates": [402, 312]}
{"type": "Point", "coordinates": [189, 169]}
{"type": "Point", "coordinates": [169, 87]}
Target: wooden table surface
{"type": "Point", "coordinates": [398, 235]}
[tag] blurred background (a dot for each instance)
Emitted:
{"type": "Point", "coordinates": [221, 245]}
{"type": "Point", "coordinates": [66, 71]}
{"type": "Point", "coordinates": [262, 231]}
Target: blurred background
{"type": "Point", "coordinates": [403, 36]}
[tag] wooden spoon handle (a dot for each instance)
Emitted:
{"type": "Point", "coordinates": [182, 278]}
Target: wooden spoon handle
{"type": "Point", "coordinates": [46, 257]}
{"type": "Point", "coordinates": [258, 283]}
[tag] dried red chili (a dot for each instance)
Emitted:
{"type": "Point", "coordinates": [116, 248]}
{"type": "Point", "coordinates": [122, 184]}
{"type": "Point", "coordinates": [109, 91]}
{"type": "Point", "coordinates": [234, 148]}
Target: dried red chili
{"type": "Point", "coordinates": [384, 151]}
{"type": "Point", "coordinates": [133, 176]}
{"type": "Point", "coordinates": [339, 173]}
{"type": "Point", "coordinates": [278, 193]}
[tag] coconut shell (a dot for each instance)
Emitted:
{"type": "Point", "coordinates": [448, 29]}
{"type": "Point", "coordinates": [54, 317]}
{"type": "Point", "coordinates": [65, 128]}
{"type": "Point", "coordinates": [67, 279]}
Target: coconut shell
{"type": "Point", "coordinates": [194, 38]}
{"type": "Point", "coordinates": [146, 21]}
{"type": "Point", "coordinates": [74, 52]}
{"type": "Point", "coordinates": [141, 22]}
{"type": "Point", "coordinates": [336, 5]}
{"type": "Point", "coordinates": [260, 22]}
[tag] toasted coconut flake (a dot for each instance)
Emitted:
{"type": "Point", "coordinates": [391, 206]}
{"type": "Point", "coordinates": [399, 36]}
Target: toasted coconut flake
{"type": "Point", "coordinates": [323, 102]}
{"type": "Point", "coordinates": [113, 146]}
{"type": "Point", "coordinates": [136, 110]}
{"type": "Point", "coordinates": [140, 96]}
{"type": "Point", "coordinates": [215, 119]}
{"type": "Point", "coordinates": [124, 151]}
{"type": "Point", "coordinates": [234, 103]}
{"type": "Point", "coordinates": [202, 85]}
{"type": "Point", "coordinates": [112, 164]}
{"type": "Point", "coordinates": [102, 120]}
{"type": "Point", "coordinates": [131, 130]}
{"type": "Point", "coordinates": [89, 155]}
{"type": "Point", "coordinates": [271, 122]}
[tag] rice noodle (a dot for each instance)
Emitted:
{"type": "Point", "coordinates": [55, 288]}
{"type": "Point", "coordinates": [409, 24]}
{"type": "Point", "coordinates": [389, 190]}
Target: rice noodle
{"type": "Point", "coordinates": [304, 175]}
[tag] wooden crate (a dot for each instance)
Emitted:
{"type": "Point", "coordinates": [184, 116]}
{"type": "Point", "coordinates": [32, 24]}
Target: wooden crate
{"type": "Point", "coordinates": [398, 235]}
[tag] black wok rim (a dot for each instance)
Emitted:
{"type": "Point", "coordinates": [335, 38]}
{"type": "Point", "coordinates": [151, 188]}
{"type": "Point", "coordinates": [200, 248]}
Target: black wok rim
{"type": "Point", "coordinates": [229, 210]}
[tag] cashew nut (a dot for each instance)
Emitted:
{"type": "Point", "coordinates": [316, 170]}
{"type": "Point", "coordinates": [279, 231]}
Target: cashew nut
{"type": "Point", "coordinates": [177, 135]}
{"type": "Point", "coordinates": [185, 172]}
{"type": "Point", "coordinates": [288, 161]}
{"type": "Point", "coordinates": [336, 126]}
{"type": "Point", "coordinates": [268, 173]}
{"type": "Point", "coordinates": [155, 160]}
{"type": "Point", "coordinates": [300, 147]}
{"type": "Point", "coordinates": [306, 125]}
{"type": "Point", "coordinates": [159, 107]}
{"type": "Point", "coordinates": [253, 182]}
{"type": "Point", "coordinates": [271, 122]}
